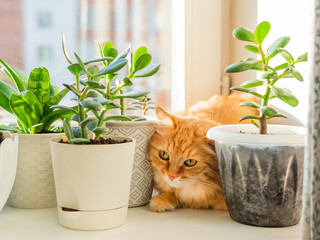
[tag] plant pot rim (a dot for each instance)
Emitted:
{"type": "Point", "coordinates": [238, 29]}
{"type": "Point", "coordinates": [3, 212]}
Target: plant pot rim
{"type": "Point", "coordinates": [279, 135]}
{"type": "Point", "coordinates": [132, 141]}
{"type": "Point", "coordinates": [149, 120]}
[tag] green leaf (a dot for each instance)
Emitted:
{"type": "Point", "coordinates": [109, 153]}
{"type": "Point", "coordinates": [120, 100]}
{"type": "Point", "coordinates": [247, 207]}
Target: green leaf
{"type": "Point", "coordinates": [29, 97]}
{"type": "Point", "coordinates": [289, 58]}
{"type": "Point", "coordinates": [72, 89]}
{"type": "Point", "coordinates": [302, 58]}
{"type": "Point", "coordinates": [14, 76]}
{"type": "Point", "coordinates": [270, 75]}
{"type": "Point", "coordinates": [123, 54]}
{"type": "Point", "coordinates": [148, 71]}
{"type": "Point", "coordinates": [114, 66]}
{"type": "Point", "coordinates": [64, 107]}
{"type": "Point", "coordinates": [92, 94]}
{"type": "Point", "coordinates": [279, 43]}
{"type": "Point", "coordinates": [67, 129]}
{"type": "Point", "coordinates": [95, 85]}
{"type": "Point", "coordinates": [139, 119]}
{"type": "Point", "coordinates": [54, 101]}
{"type": "Point", "coordinates": [252, 83]}
{"type": "Point", "coordinates": [75, 117]}
{"type": "Point", "coordinates": [285, 96]}
{"type": "Point", "coordinates": [142, 62]}
{"type": "Point", "coordinates": [111, 53]}
{"type": "Point", "coordinates": [75, 69]}
{"type": "Point", "coordinates": [98, 60]}
{"type": "Point", "coordinates": [93, 105]}
{"type": "Point", "coordinates": [278, 115]}
{"type": "Point", "coordinates": [140, 51]}
{"type": "Point", "coordinates": [99, 130]}
{"type": "Point", "coordinates": [4, 102]}
{"type": "Point", "coordinates": [86, 121]}
{"type": "Point", "coordinates": [106, 47]}
{"type": "Point", "coordinates": [133, 94]}
{"type": "Point", "coordinates": [269, 111]}
{"type": "Point", "coordinates": [7, 89]}
{"type": "Point", "coordinates": [39, 84]}
{"type": "Point", "coordinates": [53, 90]}
{"type": "Point", "coordinates": [81, 64]}
{"type": "Point", "coordinates": [118, 117]}
{"type": "Point", "coordinates": [65, 50]}
{"type": "Point", "coordinates": [94, 69]}
{"type": "Point", "coordinates": [53, 116]}
{"type": "Point", "coordinates": [36, 128]}
{"type": "Point", "coordinates": [253, 49]}
{"type": "Point", "coordinates": [261, 31]}
{"type": "Point", "coordinates": [254, 122]}
{"type": "Point", "coordinates": [9, 128]}
{"type": "Point", "coordinates": [241, 66]}
{"type": "Point", "coordinates": [296, 74]}
{"type": "Point", "coordinates": [24, 113]}
{"type": "Point", "coordinates": [247, 91]}
{"type": "Point", "coordinates": [79, 141]}
{"type": "Point", "coordinates": [244, 34]}
{"type": "Point", "coordinates": [250, 104]}
{"type": "Point", "coordinates": [112, 106]}
{"type": "Point", "coordinates": [249, 117]}
{"type": "Point", "coordinates": [281, 66]}
{"type": "Point", "coordinates": [99, 49]}
{"type": "Point", "coordinates": [127, 82]}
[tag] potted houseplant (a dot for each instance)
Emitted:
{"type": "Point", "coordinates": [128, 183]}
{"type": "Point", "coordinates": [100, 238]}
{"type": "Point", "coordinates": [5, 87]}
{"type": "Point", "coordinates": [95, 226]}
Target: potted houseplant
{"type": "Point", "coordinates": [8, 166]}
{"type": "Point", "coordinates": [30, 101]}
{"type": "Point", "coordinates": [262, 165]}
{"type": "Point", "coordinates": [92, 171]}
{"type": "Point", "coordinates": [140, 127]}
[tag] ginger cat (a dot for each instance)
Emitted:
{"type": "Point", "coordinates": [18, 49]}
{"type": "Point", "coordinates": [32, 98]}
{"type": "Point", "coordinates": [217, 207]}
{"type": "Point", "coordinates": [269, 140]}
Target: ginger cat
{"type": "Point", "coordinates": [184, 161]}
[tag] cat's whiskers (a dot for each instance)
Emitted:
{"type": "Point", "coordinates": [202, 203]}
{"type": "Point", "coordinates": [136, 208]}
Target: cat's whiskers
{"type": "Point", "coordinates": [210, 184]}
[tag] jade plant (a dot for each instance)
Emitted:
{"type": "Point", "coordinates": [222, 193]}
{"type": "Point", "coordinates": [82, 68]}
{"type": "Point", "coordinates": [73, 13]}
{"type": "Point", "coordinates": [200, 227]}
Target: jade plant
{"type": "Point", "coordinates": [270, 75]}
{"type": "Point", "coordinates": [30, 100]}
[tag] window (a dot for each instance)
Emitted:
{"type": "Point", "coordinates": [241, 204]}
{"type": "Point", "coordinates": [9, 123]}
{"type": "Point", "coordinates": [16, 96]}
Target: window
{"type": "Point", "coordinates": [44, 19]}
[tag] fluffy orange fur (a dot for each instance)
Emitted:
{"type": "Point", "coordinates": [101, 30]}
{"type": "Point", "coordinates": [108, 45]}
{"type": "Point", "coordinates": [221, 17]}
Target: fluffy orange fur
{"type": "Point", "coordinates": [183, 138]}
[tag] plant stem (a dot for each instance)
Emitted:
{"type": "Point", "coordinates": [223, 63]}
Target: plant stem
{"type": "Point", "coordinates": [263, 119]}
{"type": "Point", "coordinates": [82, 114]}
{"type": "Point", "coordinates": [121, 104]}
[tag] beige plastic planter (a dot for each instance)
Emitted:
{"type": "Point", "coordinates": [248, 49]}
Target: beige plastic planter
{"type": "Point", "coordinates": [142, 178]}
{"type": "Point", "coordinates": [92, 183]}
{"type": "Point", "coordinates": [34, 183]}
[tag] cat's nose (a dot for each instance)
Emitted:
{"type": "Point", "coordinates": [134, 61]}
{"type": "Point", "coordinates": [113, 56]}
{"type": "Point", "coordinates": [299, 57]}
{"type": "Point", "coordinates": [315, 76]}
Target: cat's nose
{"type": "Point", "coordinates": [171, 177]}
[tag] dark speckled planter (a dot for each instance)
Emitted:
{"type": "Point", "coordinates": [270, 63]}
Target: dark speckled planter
{"type": "Point", "coordinates": [262, 179]}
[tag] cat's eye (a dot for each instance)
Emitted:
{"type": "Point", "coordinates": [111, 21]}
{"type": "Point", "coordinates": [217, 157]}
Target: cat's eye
{"type": "Point", "coordinates": [190, 162]}
{"type": "Point", "coordinates": [164, 155]}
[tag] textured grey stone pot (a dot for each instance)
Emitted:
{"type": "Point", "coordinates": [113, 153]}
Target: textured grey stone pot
{"type": "Point", "coordinates": [142, 177]}
{"type": "Point", "coordinates": [262, 175]}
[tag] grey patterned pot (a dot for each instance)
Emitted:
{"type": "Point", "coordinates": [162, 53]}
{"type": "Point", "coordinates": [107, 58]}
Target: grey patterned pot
{"type": "Point", "coordinates": [34, 183]}
{"type": "Point", "coordinates": [142, 177]}
{"type": "Point", "coordinates": [262, 175]}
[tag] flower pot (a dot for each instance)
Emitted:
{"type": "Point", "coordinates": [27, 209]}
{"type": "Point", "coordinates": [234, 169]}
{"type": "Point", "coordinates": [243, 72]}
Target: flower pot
{"type": "Point", "coordinates": [142, 177]}
{"type": "Point", "coordinates": [34, 183]}
{"type": "Point", "coordinates": [8, 167]}
{"type": "Point", "coordinates": [92, 183]}
{"type": "Point", "coordinates": [262, 175]}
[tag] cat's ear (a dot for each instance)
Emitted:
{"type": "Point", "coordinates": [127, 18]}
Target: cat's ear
{"type": "Point", "coordinates": [163, 115]}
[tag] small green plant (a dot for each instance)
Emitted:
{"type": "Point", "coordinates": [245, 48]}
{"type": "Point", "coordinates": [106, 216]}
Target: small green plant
{"type": "Point", "coordinates": [270, 75]}
{"type": "Point", "coordinates": [143, 105]}
{"type": "Point", "coordinates": [31, 100]}
{"type": "Point", "coordinates": [94, 98]}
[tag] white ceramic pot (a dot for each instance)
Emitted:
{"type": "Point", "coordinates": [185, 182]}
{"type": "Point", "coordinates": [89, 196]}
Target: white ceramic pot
{"type": "Point", "coordinates": [142, 177]}
{"type": "Point", "coordinates": [34, 183]}
{"type": "Point", "coordinates": [261, 175]}
{"type": "Point", "coordinates": [92, 183]}
{"type": "Point", "coordinates": [8, 167]}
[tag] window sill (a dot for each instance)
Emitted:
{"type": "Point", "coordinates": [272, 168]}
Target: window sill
{"type": "Point", "coordinates": [141, 224]}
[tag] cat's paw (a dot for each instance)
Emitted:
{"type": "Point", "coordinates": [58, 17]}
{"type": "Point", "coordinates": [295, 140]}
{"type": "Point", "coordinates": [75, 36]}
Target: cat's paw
{"type": "Point", "coordinates": [162, 203]}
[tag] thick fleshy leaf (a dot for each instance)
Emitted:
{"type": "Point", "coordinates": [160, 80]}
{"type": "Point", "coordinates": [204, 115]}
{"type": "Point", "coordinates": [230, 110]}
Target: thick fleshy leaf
{"type": "Point", "coordinates": [111, 53]}
{"type": "Point", "coordinates": [127, 82]}
{"type": "Point", "coordinates": [133, 94]}
{"type": "Point", "coordinates": [118, 118]}
{"type": "Point", "coordinates": [75, 117]}
{"type": "Point", "coordinates": [9, 128]}
{"type": "Point", "coordinates": [106, 47]}
{"type": "Point", "coordinates": [139, 119]}
{"type": "Point", "coordinates": [98, 60]}
{"type": "Point", "coordinates": [289, 58]}
{"type": "Point", "coordinates": [296, 74]}
{"type": "Point", "coordinates": [14, 76]}
{"type": "Point", "coordinates": [79, 141]}
{"type": "Point", "coordinates": [269, 111]}
{"type": "Point", "coordinates": [256, 123]}
{"type": "Point", "coordinates": [81, 64]}
{"type": "Point", "coordinates": [241, 66]}
{"type": "Point", "coordinates": [281, 66]}
{"type": "Point", "coordinates": [75, 69]}
{"type": "Point", "coordinates": [247, 91]}
{"type": "Point", "coordinates": [67, 129]}
{"type": "Point", "coordinates": [285, 96]}
{"type": "Point", "coordinates": [252, 83]}
{"type": "Point", "coordinates": [142, 62]}
{"type": "Point", "coordinates": [99, 130]}
{"type": "Point", "coordinates": [72, 89]}
{"type": "Point", "coordinates": [270, 75]}
{"type": "Point", "coordinates": [302, 58]}
{"type": "Point", "coordinates": [64, 107]}
{"type": "Point", "coordinates": [253, 49]}
{"type": "Point", "coordinates": [249, 117]}
{"type": "Point", "coordinates": [250, 104]}
{"type": "Point", "coordinates": [244, 34]}
{"type": "Point", "coordinates": [39, 84]}
{"type": "Point", "coordinates": [93, 105]}
{"type": "Point", "coordinates": [279, 43]}
{"type": "Point", "coordinates": [278, 115]}
{"type": "Point", "coordinates": [114, 66]}
{"type": "Point", "coordinates": [140, 51]}
{"type": "Point", "coordinates": [54, 101]}
{"type": "Point", "coordinates": [123, 54]}
{"type": "Point", "coordinates": [148, 71]}
{"type": "Point", "coordinates": [99, 49]}
{"type": "Point", "coordinates": [87, 120]}
{"type": "Point", "coordinates": [261, 31]}
{"type": "Point", "coordinates": [92, 94]}
{"type": "Point", "coordinates": [95, 85]}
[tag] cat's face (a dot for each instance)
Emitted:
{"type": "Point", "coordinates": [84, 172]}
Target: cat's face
{"type": "Point", "coordinates": [180, 152]}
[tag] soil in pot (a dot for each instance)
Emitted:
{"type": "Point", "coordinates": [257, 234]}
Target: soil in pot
{"type": "Point", "coordinates": [98, 141]}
